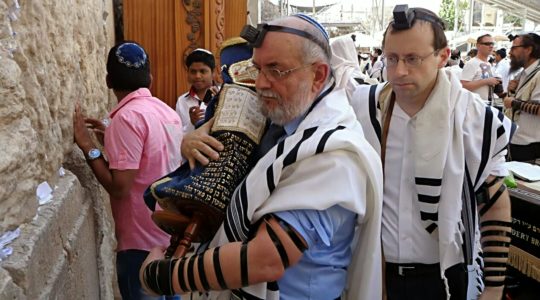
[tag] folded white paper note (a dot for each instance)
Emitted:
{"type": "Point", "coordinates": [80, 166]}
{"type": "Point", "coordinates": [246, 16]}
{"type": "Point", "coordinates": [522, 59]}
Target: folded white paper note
{"type": "Point", "coordinates": [44, 193]}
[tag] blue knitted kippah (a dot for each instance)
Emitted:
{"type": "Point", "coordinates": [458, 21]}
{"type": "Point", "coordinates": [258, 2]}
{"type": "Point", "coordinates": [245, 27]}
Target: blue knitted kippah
{"type": "Point", "coordinates": [131, 55]}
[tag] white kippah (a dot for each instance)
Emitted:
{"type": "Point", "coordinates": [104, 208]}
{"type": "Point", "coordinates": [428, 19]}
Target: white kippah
{"type": "Point", "coordinates": [203, 50]}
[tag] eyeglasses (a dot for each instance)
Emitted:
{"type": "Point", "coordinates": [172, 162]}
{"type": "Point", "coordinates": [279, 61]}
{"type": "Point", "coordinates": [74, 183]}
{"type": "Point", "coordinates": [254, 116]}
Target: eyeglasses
{"type": "Point", "coordinates": [409, 60]}
{"type": "Point", "coordinates": [487, 44]}
{"type": "Point", "coordinates": [273, 74]}
{"type": "Point", "coordinates": [517, 46]}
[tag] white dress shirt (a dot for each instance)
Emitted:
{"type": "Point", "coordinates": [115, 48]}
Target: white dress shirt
{"type": "Point", "coordinates": [183, 104]}
{"type": "Point", "coordinates": [405, 239]}
{"type": "Point", "coordinates": [502, 68]}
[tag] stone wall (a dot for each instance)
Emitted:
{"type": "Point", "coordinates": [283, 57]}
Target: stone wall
{"type": "Point", "coordinates": [60, 254]}
{"type": "Point", "coordinates": [56, 58]}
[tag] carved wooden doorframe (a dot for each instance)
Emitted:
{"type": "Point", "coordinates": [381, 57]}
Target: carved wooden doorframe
{"type": "Point", "coordinates": [170, 29]}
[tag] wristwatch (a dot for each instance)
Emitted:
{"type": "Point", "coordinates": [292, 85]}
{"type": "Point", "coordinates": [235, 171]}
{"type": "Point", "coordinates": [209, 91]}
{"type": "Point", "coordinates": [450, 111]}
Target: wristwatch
{"type": "Point", "coordinates": [93, 154]}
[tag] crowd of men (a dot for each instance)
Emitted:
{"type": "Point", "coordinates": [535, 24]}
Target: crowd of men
{"type": "Point", "coordinates": [359, 189]}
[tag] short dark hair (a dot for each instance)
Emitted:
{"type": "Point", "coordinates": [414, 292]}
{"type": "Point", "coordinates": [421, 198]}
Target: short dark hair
{"type": "Point", "coordinates": [122, 75]}
{"type": "Point", "coordinates": [455, 54]}
{"type": "Point", "coordinates": [501, 52]}
{"type": "Point", "coordinates": [531, 40]}
{"type": "Point", "coordinates": [202, 56]}
{"type": "Point", "coordinates": [479, 39]}
{"type": "Point", "coordinates": [378, 51]}
{"type": "Point", "coordinates": [437, 25]}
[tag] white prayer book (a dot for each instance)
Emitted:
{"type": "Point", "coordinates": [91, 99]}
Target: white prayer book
{"type": "Point", "coordinates": [524, 171]}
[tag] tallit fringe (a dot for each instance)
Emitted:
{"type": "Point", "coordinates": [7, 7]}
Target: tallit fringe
{"type": "Point", "coordinates": [446, 286]}
{"type": "Point", "coordinates": [525, 262]}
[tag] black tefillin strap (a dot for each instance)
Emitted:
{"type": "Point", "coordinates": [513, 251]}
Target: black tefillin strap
{"type": "Point", "coordinates": [244, 264]}
{"type": "Point", "coordinates": [191, 273]}
{"type": "Point", "coordinates": [202, 272]}
{"type": "Point", "coordinates": [255, 36]}
{"type": "Point", "coordinates": [181, 277]}
{"type": "Point", "coordinates": [278, 244]}
{"type": "Point", "coordinates": [483, 197]}
{"type": "Point", "coordinates": [495, 240]}
{"type": "Point", "coordinates": [217, 269]}
{"type": "Point", "coordinates": [158, 276]}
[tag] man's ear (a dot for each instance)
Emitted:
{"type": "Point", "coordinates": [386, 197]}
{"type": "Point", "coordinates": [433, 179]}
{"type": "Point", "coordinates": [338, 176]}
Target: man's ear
{"type": "Point", "coordinates": [444, 54]}
{"type": "Point", "coordinates": [322, 72]}
{"type": "Point", "coordinates": [528, 51]}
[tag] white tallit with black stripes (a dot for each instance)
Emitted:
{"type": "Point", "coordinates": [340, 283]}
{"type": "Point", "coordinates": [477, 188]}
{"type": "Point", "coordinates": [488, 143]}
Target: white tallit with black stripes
{"type": "Point", "coordinates": [459, 141]}
{"type": "Point", "coordinates": [308, 170]}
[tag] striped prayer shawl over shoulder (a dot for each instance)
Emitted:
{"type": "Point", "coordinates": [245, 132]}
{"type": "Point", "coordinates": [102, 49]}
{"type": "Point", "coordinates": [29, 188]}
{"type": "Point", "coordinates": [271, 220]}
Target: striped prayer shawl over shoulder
{"type": "Point", "coordinates": [455, 135]}
{"type": "Point", "coordinates": [328, 142]}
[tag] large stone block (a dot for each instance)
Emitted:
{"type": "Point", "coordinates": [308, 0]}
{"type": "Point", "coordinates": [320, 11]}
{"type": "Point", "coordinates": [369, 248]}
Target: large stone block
{"type": "Point", "coordinates": [8, 290]}
{"type": "Point", "coordinates": [56, 255]}
{"type": "Point", "coordinates": [104, 224]}
{"type": "Point", "coordinates": [60, 57]}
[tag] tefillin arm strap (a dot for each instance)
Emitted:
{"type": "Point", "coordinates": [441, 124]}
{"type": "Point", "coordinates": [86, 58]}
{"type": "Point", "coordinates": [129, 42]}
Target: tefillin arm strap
{"type": "Point", "coordinates": [204, 272]}
{"type": "Point", "coordinates": [495, 236]}
{"type": "Point", "coordinates": [484, 198]}
{"type": "Point", "coordinates": [495, 240]}
{"type": "Point", "coordinates": [161, 285]}
{"type": "Point", "coordinates": [531, 107]}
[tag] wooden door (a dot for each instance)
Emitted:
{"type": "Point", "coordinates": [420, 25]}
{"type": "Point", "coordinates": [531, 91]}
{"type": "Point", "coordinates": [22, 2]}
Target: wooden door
{"type": "Point", "coordinates": [169, 30]}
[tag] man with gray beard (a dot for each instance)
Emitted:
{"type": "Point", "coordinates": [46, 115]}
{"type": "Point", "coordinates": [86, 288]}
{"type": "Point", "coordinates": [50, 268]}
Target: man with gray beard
{"type": "Point", "coordinates": [317, 187]}
{"type": "Point", "coordinates": [523, 106]}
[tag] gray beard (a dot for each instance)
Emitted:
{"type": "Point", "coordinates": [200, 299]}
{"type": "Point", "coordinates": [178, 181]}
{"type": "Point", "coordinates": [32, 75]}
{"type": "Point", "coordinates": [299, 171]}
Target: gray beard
{"type": "Point", "coordinates": [290, 111]}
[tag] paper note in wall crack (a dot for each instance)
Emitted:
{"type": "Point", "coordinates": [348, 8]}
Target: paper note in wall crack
{"type": "Point", "coordinates": [44, 193]}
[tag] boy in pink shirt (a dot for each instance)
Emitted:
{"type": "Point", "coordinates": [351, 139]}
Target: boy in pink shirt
{"type": "Point", "coordinates": [142, 143]}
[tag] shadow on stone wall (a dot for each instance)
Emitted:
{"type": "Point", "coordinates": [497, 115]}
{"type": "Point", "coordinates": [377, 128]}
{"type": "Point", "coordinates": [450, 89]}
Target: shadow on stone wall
{"type": "Point", "coordinates": [118, 20]}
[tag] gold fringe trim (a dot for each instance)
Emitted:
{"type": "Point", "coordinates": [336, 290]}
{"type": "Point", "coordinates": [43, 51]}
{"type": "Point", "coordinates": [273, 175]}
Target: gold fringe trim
{"type": "Point", "coordinates": [525, 262]}
{"type": "Point", "coordinates": [233, 41]}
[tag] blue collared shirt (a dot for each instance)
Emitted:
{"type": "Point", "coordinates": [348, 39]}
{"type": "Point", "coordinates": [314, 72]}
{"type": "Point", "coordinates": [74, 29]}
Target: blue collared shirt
{"type": "Point", "coordinates": [321, 272]}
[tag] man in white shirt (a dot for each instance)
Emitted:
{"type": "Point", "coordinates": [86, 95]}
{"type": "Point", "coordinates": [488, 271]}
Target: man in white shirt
{"type": "Point", "coordinates": [453, 65]}
{"type": "Point", "coordinates": [378, 71]}
{"type": "Point", "coordinates": [442, 151]}
{"type": "Point", "coordinates": [524, 106]}
{"type": "Point", "coordinates": [374, 57]}
{"type": "Point", "coordinates": [477, 75]}
{"type": "Point", "coordinates": [502, 67]}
